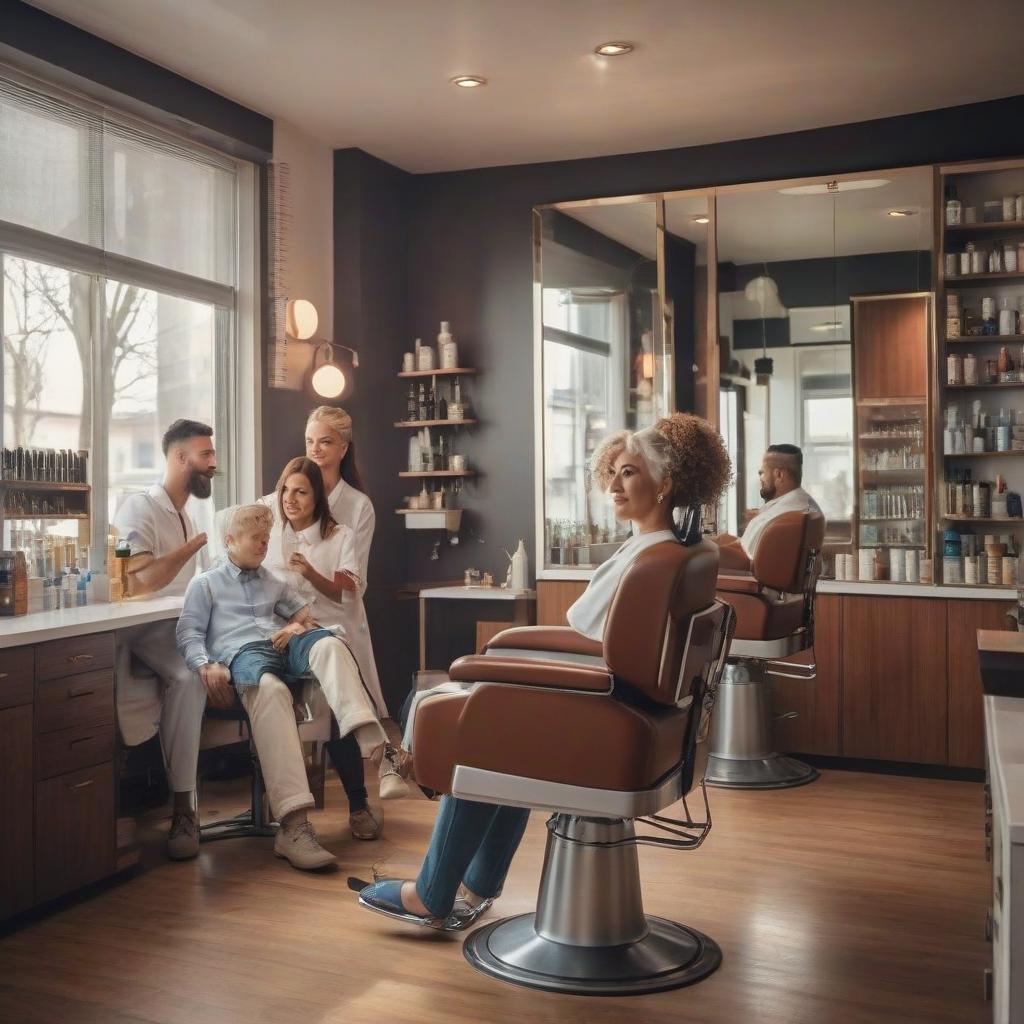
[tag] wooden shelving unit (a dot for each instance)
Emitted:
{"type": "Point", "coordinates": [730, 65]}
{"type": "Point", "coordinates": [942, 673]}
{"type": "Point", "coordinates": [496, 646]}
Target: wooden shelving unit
{"type": "Point", "coordinates": [446, 518]}
{"type": "Point", "coordinates": [975, 183]}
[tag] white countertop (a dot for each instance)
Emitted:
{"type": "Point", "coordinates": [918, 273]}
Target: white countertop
{"type": "Point", "coordinates": [17, 630]}
{"type": "Point", "coordinates": [867, 589]}
{"type": "Point", "coordinates": [1004, 739]}
{"type": "Point", "coordinates": [478, 594]}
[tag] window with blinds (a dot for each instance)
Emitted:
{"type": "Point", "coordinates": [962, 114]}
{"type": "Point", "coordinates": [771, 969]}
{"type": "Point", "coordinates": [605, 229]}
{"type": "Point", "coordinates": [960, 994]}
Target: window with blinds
{"type": "Point", "coordinates": [124, 253]}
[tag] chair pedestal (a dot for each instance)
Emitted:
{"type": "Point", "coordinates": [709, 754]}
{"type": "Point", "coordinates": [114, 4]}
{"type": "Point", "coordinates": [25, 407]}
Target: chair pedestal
{"type": "Point", "coordinates": [256, 821]}
{"type": "Point", "coordinates": [742, 756]}
{"type": "Point", "coordinates": [589, 935]}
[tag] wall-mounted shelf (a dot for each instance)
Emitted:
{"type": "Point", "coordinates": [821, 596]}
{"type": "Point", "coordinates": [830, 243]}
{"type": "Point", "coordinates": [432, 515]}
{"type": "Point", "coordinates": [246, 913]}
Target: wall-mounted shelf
{"type": "Point", "coordinates": [990, 225]}
{"type": "Point", "coordinates": [431, 518]}
{"type": "Point", "coordinates": [975, 519]}
{"type": "Point", "coordinates": [1002, 275]}
{"type": "Point", "coordinates": [439, 473]}
{"type": "Point", "coordinates": [975, 338]}
{"type": "Point", "coordinates": [983, 387]}
{"type": "Point", "coordinates": [25, 516]}
{"type": "Point", "coordinates": [43, 485]}
{"type": "Point", "coordinates": [979, 455]}
{"type": "Point", "coordinates": [416, 424]}
{"type": "Point", "coordinates": [462, 371]}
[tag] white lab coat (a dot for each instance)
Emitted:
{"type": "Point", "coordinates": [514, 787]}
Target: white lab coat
{"type": "Point", "coordinates": [352, 508]}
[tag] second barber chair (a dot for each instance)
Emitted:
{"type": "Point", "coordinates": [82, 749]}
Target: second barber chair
{"type": "Point", "coordinates": [602, 736]}
{"type": "Point", "coordinates": [774, 605]}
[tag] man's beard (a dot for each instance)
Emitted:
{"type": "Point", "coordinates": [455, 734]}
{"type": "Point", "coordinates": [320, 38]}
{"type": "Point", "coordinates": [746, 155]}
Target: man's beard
{"type": "Point", "coordinates": [767, 495]}
{"type": "Point", "coordinates": [200, 484]}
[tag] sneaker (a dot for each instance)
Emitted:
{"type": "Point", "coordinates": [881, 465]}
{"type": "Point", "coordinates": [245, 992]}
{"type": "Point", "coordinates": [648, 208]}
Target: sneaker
{"type": "Point", "coordinates": [394, 767]}
{"type": "Point", "coordinates": [299, 846]}
{"type": "Point", "coordinates": [364, 824]}
{"type": "Point", "coordinates": [183, 838]}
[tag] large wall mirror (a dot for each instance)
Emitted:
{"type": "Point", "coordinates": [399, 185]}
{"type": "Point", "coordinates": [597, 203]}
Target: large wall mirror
{"type": "Point", "coordinates": [793, 261]}
{"type": "Point", "coordinates": [740, 304]}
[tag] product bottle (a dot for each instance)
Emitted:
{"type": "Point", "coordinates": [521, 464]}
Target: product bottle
{"type": "Point", "coordinates": [457, 392]}
{"type": "Point", "coordinates": [410, 404]}
{"type": "Point", "coordinates": [431, 400]}
{"type": "Point", "coordinates": [954, 208]}
{"type": "Point", "coordinates": [519, 567]}
{"type": "Point", "coordinates": [421, 407]}
{"type": "Point", "coordinates": [442, 452]}
{"type": "Point", "coordinates": [446, 351]}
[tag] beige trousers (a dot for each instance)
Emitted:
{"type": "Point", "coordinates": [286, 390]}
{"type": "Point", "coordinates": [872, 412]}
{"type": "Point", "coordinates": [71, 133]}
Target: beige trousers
{"type": "Point", "coordinates": [272, 717]}
{"type": "Point", "coordinates": [338, 674]}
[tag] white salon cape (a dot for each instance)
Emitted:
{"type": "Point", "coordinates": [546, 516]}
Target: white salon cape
{"type": "Point", "coordinates": [797, 500]}
{"type": "Point", "coordinates": [354, 510]}
{"type": "Point", "coordinates": [588, 613]}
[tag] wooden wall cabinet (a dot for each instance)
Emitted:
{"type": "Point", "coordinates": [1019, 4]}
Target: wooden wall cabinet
{"type": "Point", "coordinates": [554, 598]}
{"type": "Point", "coordinates": [57, 766]}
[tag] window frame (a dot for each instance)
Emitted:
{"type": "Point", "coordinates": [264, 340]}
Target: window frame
{"type": "Point", "coordinates": [236, 308]}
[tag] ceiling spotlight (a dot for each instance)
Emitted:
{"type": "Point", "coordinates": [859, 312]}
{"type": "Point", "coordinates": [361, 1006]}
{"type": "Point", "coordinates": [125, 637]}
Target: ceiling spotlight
{"type": "Point", "coordinates": [469, 81]}
{"type": "Point", "coordinates": [702, 219]}
{"type": "Point", "coordinates": [902, 213]}
{"type": "Point", "coordinates": [613, 49]}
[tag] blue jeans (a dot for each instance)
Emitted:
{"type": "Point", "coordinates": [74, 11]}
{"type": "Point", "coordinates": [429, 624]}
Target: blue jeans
{"type": "Point", "coordinates": [253, 660]}
{"type": "Point", "coordinates": [472, 843]}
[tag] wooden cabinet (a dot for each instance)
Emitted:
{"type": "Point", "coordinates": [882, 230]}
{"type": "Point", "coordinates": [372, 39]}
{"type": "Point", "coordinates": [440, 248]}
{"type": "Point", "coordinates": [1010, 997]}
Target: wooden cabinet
{"type": "Point", "coordinates": [554, 598]}
{"type": "Point", "coordinates": [74, 830]}
{"type": "Point", "coordinates": [57, 757]}
{"type": "Point", "coordinates": [894, 679]}
{"type": "Point", "coordinates": [966, 727]}
{"type": "Point", "coordinates": [815, 729]}
{"type": "Point", "coordinates": [890, 348]}
{"type": "Point", "coordinates": [16, 876]}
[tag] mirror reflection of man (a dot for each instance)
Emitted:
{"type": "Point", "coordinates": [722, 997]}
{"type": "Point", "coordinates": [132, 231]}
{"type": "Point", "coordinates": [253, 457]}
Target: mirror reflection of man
{"type": "Point", "coordinates": [165, 548]}
{"type": "Point", "coordinates": [780, 477]}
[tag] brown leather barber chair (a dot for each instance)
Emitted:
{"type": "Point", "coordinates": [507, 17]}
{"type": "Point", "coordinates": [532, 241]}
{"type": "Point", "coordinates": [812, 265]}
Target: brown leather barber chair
{"type": "Point", "coordinates": [774, 605]}
{"type": "Point", "coordinates": [600, 745]}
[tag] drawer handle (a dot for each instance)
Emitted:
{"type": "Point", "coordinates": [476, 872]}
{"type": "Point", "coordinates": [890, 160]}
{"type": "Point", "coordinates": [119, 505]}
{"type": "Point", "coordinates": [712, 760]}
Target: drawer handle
{"type": "Point", "coordinates": [81, 739]}
{"type": "Point", "coordinates": [76, 658]}
{"type": "Point", "coordinates": [82, 785]}
{"type": "Point", "coordinates": [79, 693]}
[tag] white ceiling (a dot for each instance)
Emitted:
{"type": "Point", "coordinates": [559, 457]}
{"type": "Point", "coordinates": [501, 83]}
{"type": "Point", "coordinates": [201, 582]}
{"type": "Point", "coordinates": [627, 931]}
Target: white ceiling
{"type": "Point", "coordinates": [375, 73]}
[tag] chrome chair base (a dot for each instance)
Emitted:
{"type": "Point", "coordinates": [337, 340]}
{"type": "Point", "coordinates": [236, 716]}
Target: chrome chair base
{"type": "Point", "coordinates": [742, 754]}
{"type": "Point", "coordinates": [773, 772]}
{"type": "Point", "coordinates": [669, 956]}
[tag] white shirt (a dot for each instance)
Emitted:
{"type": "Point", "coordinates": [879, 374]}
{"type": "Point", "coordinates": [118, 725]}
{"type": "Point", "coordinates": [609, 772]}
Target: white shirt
{"type": "Point", "coordinates": [151, 524]}
{"type": "Point", "coordinates": [353, 509]}
{"type": "Point", "coordinates": [797, 500]}
{"type": "Point", "coordinates": [328, 555]}
{"type": "Point", "coordinates": [588, 613]}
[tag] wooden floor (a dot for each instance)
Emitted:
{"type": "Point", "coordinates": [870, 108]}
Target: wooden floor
{"type": "Point", "coordinates": [859, 898]}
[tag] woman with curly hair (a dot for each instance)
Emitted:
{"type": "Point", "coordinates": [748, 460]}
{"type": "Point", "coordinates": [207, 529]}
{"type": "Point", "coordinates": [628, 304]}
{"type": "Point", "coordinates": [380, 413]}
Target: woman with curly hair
{"type": "Point", "coordinates": [680, 462]}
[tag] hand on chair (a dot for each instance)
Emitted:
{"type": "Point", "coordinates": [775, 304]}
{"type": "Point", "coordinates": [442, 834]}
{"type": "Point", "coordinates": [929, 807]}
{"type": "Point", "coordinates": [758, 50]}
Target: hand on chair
{"type": "Point", "coordinates": [217, 680]}
{"type": "Point", "coordinates": [282, 638]}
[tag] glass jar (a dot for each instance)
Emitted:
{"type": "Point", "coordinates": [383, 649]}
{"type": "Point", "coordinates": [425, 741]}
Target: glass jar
{"type": "Point", "coordinates": [1010, 258]}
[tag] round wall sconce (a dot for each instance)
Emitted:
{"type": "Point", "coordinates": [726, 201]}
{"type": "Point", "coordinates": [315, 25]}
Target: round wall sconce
{"type": "Point", "coordinates": [328, 379]}
{"type": "Point", "coordinates": [301, 319]}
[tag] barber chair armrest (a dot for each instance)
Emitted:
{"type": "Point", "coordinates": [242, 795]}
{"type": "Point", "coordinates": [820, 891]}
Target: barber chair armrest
{"type": "Point", "coordinates": [738, 583]}
{"type": "Point", "coordinates": [555, 639]}
{"type": "Point", "coordinates": [551, 675]}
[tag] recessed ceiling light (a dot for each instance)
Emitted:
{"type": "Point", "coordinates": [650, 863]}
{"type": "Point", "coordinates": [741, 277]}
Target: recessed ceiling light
{"type": "Point", "coordinates": [616, 49]}
{"type": "Point", "coordinates": [469, 81]}
{"type": "Point", "coordinates": [702, 219]}
{"type": "Point", "coordinates": [903, 213]}
{"type": "Point", "coordinates": [831, 187]}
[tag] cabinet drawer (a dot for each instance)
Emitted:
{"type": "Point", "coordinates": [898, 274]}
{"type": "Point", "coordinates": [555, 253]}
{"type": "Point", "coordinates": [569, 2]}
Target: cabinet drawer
{"type": "Point", "coordinates": [76, 654]}
{"type": "Point", "coordinates": [83, 700]}
{"type": "Point", "coordinates": [74, 830]}
{"type": "Point", "coordinates": [17, 665]}
{"type": "Point", "coordinates": [67, 750]}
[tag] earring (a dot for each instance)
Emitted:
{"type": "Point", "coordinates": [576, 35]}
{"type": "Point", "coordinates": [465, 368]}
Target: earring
{"type": "Point", "coordinates": [661, 498]}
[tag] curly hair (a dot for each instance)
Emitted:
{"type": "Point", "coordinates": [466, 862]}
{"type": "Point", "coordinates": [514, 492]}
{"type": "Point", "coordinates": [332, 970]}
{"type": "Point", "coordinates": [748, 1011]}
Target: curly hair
{"type": "Point", "coordinates": [685, 448]}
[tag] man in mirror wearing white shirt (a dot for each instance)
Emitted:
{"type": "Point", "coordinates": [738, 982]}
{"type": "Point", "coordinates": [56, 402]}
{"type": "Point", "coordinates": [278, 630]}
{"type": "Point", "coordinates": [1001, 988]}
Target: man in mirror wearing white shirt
{"type": "Point", "coordinates": [780, 477]}
{"type": "Point", "coordinates": [165, 548]}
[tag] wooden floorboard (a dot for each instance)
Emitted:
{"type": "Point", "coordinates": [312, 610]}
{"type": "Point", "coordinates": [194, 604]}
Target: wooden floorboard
{"type": "Point", "coordinates": [859, 899]}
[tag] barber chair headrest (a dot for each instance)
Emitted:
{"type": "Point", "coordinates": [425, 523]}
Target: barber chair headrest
{"type": "Point", "coordinates": [645, 633]}
{"type": "Point", "coordinates": [781, 557]}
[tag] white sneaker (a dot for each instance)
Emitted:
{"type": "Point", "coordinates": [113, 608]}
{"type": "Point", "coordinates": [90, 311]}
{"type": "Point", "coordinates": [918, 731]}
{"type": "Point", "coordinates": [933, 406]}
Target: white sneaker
{"type": "Point", "coordinates": [299, 846]}
{"type": "Point", "coordinates": [394, 766]}
{"type": "Point", "coordinates": [183, 838]}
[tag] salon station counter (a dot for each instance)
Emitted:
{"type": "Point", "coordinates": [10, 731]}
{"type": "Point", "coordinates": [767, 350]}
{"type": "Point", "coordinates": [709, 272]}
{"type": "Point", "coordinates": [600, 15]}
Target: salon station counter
{"type": "Point", "coordinates": [897, 670]}
{"type": "Point", "coordinates": [58, 750]}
